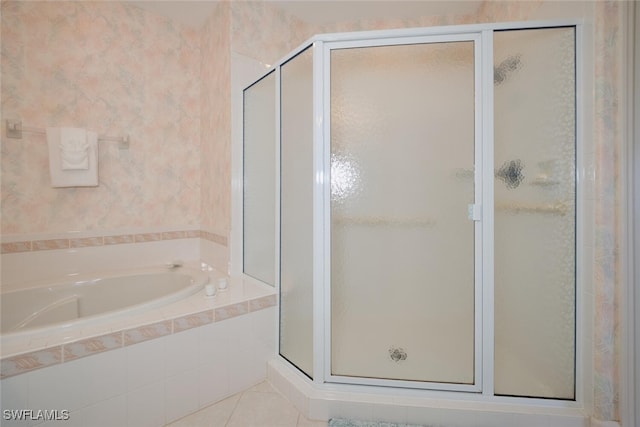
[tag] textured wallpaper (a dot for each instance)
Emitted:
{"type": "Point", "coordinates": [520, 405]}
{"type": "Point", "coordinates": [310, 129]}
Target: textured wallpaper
{"type": "Point", "coordinates": [215, 133]}
{"type": "Point", "coordinates": [264, 32]}
{"type": "Point", "coordinates": [117, 70]}
{"type": "Point", "coordinates": [608, 142]}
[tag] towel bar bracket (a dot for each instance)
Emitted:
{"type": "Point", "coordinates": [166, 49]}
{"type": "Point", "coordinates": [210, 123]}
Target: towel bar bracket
{"type": "Point", "coordinates": [15, 129]}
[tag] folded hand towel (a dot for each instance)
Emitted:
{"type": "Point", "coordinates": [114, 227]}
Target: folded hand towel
{"type": "Point", "coordinates": [73, 157]}
{"type": "Point", "coordinates": [74, 154]}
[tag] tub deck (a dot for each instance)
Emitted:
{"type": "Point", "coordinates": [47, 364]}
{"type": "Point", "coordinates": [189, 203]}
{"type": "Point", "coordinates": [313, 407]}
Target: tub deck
{"type": "Point", "coordinates": [83, 298]}
{"type": "Point", "coordinates": [26, 352]}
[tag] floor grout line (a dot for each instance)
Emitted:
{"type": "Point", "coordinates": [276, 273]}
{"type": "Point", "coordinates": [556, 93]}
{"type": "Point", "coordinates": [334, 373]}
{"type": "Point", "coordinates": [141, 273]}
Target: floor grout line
{"type": "Point", "coordinates": [237, 411]}
{"type": "Point", "coordinates": [235, 407]}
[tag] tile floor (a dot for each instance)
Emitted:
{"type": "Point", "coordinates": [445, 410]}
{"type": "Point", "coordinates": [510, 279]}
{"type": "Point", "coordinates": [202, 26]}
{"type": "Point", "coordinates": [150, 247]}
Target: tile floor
{"type": "Point", "coordinates": [259, 406]}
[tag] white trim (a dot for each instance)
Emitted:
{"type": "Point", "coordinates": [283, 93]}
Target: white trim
{"type": "Point", "coordinates": [387, 383]}
{"type": "Point", "coordinates": [488, 333]}
{"type": "Point", "coordinates": [320, 184]}
{"type": "Point", "coordinates": [480, 73]}
{"type": "Point", "coordinates": [278, 169]}
{"type": "Point", "coordinates": [423, 32]}
{"type": "Point", "coordinates": [392, 40]}
{"type": "Point", "coordinates": [326, 214]}
{"type": "Point", "coordinates": [445, 30]}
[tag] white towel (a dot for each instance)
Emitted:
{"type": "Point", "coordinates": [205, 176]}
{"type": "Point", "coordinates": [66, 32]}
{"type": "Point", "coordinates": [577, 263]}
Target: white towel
{"type": "Point", "coordinates": [73, 157]}
{"type": "Point", "coordinates": [74, 153]}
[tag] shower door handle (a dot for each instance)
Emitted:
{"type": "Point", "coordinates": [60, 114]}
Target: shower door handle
{"type": "Point", "coordinates": [474, 212]}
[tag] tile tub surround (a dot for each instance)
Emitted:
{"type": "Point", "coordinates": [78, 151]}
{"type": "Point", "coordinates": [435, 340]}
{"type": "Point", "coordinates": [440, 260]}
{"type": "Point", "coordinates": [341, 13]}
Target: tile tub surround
{"type": "Point", "coordinates": [17, 244]}
{"type": "Point", "coordinates": [159, 369]}
{"type": "Point", "coordinates": [68, 253]}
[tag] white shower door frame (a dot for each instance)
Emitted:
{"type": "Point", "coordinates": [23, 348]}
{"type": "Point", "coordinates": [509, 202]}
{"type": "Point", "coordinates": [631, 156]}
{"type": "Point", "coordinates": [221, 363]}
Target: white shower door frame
{"type": "Point", "coordinates": [483, 388]}
{"type": "Point", "coordinates": [324, 233]}
{"type": "Point", "coordinates": [482, 36]}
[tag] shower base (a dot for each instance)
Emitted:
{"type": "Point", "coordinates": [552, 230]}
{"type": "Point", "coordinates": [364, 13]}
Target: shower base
{"type": "Point", "coordinates": [325, 401]}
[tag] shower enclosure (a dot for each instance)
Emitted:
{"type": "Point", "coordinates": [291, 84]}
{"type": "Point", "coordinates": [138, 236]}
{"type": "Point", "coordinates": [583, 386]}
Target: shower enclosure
{"type": "Point", "coordinates": [413, 193]}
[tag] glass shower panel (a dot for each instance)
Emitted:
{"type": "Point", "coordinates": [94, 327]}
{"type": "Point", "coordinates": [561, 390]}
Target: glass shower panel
{"type": "Point", "coordinates": [402, 245]}
{"type": "Point", "coordinates": [535, 237]}
{"type": "Point", "coordinates": [296, 254]}
{"type": "Point", "coordinates": [259, 180]}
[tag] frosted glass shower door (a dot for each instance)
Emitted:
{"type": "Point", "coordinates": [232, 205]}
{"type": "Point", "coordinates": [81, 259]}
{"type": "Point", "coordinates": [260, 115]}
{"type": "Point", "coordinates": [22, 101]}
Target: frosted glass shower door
{"type": "Point", "coordinates": [402, 243]}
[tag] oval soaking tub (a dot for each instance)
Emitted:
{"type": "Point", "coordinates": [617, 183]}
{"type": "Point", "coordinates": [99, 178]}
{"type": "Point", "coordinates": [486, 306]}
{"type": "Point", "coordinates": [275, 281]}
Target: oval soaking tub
{"type": "Point", "coordinates": [85, 299]}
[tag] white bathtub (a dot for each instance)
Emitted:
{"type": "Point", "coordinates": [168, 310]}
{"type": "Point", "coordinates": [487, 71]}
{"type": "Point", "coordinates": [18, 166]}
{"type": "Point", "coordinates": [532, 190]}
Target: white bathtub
{"type": "Point", "coordinates": [86, 299]}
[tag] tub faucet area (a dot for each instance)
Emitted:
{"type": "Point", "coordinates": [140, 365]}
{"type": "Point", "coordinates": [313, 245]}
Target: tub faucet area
{"type": "Point", "coordinates": [174, 264]}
